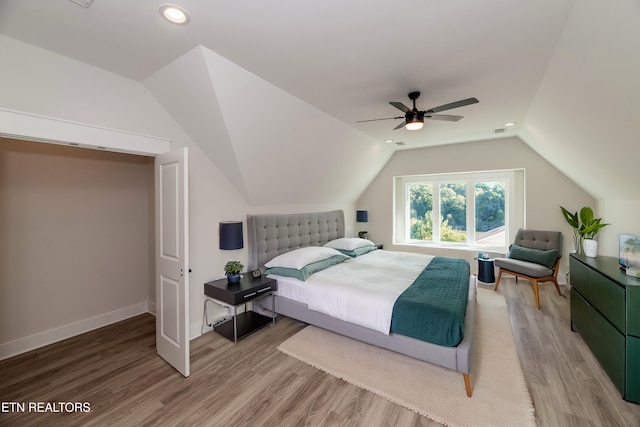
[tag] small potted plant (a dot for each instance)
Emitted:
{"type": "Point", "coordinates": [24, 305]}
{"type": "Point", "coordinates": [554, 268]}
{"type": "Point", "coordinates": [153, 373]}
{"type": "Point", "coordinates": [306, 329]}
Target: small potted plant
{"type": "Point", "coordinates": [590, 227]}
{"type": "Point", "coordinates": [233, 269]}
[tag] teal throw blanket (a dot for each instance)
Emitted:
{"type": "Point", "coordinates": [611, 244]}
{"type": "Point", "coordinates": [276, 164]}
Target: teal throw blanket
{"type": "Point", "coordinates": [433, 308]}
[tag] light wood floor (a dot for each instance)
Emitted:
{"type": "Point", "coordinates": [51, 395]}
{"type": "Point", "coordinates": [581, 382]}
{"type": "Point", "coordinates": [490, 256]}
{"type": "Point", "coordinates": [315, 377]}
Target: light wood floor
{"type": "Point", "coordinates": [116, 370]}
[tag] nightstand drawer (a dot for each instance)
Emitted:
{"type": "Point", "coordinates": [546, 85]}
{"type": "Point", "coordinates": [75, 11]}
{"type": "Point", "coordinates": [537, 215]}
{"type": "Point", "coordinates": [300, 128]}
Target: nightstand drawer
{"type": "Point", "coordinates": [246, 290]}
{"type": "Point", "coordinates": [248, 295]}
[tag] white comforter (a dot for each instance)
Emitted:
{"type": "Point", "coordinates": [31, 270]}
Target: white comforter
{"type": "Point", "coordinates": [363, 290]}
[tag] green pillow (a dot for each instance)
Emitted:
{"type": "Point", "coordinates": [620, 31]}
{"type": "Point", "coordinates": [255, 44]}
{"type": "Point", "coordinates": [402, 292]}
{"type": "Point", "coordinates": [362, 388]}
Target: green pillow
{"type": "Point", "coordinates": [358, 251]}
{"type": "Point", "coordinates": [546, 258]}
{"type": "Point", "coordinates": [306, 271]}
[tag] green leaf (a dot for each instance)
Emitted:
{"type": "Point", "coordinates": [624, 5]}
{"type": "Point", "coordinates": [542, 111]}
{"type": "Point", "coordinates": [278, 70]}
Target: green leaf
{"type": "Point", "coordinates": [586, 215]}
{"type": "Point", "coordinates": [572, 219]}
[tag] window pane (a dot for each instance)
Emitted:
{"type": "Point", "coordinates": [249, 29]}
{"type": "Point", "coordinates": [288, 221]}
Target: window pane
{"type": "Point", "coordinates": [453, 212]}
{"type": "Point", "coordinates": [421, 206]}
{"type": "Point", "coordinates": [490, 213]}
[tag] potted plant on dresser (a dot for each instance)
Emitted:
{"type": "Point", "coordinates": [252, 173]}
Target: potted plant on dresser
{"type": "Point", "coordinates": [233, 269]}
{"type": "Point", "coordinates": [585, 227]}
{"type": "Point", "coordinates": [589, 228]}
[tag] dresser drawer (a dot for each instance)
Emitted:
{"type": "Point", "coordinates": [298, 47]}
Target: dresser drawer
{"type": "Point", "coordinates": [608, 345]}
{"type": "Point", "coordinates": [579, 277]}
{"type": "Point", "coordinates": [580, 310]}
{"type": "Point", "coordinates": [633, 311]}
{"type": "Point", "coordinates": [632, 386]}
{"type": "Point", "coordinates": [608, 298]}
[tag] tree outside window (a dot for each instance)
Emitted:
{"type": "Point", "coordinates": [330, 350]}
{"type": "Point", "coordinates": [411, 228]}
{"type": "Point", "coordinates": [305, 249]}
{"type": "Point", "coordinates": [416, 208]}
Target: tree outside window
{"type": "Point", "coordinates": [488, 211]}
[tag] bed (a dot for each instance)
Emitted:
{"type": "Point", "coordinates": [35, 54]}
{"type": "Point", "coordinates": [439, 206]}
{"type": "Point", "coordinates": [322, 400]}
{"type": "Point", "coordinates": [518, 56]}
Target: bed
{"type": "Point", "coordinates": [273, 235]}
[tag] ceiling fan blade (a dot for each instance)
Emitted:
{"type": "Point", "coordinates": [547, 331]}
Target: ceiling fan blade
{"type": "Point", "coordinates": [401, 125]}
{"type": "Point", "coordinates": [452, 105]}
{"type": "Point", "coordinates": [446, 117]}
{"type": "Point", "coordinates": [375, 120]}
{"type": "Point", "coordinates": [400, 106]}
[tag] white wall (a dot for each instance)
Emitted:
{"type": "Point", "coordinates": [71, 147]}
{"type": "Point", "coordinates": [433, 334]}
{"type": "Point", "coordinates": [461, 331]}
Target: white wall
{"type": "Point", "coordinates": [546, 187]}
{"type": "Point", "coordinates": [213, 199]}
{"type": "Point", "coordinates": [624, 217]}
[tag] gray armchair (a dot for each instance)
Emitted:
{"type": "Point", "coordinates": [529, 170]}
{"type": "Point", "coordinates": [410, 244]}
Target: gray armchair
{"type": "Point", "coordinates": [535, 256]}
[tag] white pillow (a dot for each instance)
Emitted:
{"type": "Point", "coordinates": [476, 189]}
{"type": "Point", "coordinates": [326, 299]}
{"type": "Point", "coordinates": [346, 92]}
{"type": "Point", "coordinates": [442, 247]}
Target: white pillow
{"type": "Point", "coordinates": [298, 258]}
{"type": "Point", "coordinates": [349, 243]}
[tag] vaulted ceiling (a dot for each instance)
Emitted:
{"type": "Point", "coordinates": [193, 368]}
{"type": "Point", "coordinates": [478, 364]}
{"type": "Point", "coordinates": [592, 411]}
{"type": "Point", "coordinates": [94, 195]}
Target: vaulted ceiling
{"type": "Point", "coordinates": [258, 81]}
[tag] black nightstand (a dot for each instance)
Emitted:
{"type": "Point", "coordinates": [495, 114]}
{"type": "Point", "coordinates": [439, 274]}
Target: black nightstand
{"type": "Point", "coordinates": [237, 294]}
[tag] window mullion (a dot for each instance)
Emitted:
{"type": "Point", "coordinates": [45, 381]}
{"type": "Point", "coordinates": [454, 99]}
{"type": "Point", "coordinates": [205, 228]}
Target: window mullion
{"type": "Point", "coordinates": [471, 213]}
{"type": "Point", "coordinates": [435, 212]}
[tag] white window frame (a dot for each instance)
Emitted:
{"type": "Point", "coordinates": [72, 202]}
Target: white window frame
{"type": "Point", "coordinates": [514, 207]}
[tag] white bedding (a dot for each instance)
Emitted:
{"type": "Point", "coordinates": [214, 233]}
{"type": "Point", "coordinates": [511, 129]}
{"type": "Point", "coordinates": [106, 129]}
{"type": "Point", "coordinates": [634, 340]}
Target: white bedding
{"type": "Point", "coordinates": [361, 290]}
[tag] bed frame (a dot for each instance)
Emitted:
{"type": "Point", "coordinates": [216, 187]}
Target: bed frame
{"type": "Point", "coordinates": [272, 235]}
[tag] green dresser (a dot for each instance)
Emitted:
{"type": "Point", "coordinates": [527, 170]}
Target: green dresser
{"type": "Point", "coordinates": [605, 309]}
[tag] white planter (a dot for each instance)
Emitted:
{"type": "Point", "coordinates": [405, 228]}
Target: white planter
{"type": "Point", "coordinates": [590, 247]}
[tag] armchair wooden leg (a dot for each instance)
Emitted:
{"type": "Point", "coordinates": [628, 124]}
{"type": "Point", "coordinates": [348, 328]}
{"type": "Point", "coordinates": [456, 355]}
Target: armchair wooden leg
{"type": "Point", "coordinates": [535, 291]}
{"type": "Point", "coordinates": [495, 288]}
{"type": "Point", "coordinates": [555, 282]}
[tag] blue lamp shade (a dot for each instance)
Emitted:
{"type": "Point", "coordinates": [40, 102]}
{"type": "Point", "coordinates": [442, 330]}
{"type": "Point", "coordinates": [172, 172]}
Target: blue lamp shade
{"type": "Point", "coordinates": [362, 216]}
{"type": "Point", "coordinates": [231, 235]}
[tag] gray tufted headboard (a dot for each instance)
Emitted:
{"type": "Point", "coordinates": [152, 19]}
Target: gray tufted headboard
{"type": "Point", "coordinates": [272, 235]}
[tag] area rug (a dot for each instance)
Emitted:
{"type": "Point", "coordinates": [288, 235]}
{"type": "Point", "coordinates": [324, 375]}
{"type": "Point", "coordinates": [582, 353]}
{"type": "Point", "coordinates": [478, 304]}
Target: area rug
{"type": "Point", "coordinates": [500, 395]}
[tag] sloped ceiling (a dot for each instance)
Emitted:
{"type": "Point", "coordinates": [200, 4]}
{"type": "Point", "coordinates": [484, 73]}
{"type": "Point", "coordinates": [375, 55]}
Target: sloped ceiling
{"type": "Point", "coordinates": [585, 117]}
{"type": "Point", "coordinates": [258, 135]}
{"type": "Point", "coordinates": [270, 90]}
{"type": "Point", "coordinates": [186, 91]}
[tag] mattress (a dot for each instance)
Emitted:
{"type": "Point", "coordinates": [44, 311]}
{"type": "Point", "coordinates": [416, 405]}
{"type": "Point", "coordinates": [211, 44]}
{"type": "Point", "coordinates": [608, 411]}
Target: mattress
{"type": "Point", "coordinates": [292, 288]}
{"type": "Point", "coordinates": [361, 290]}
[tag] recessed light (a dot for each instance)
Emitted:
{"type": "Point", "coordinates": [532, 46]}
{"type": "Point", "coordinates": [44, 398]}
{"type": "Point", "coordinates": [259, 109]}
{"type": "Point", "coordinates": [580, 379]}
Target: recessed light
{"type": "Point", "coordinates": [174, 14]}
{"type": "Point", "coordinates": [388, 140]}
{"type": "Point", "coordinates": [509, 124]}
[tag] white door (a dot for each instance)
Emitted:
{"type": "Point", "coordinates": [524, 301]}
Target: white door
{"type": "Point", "coordinates": [172, 259]}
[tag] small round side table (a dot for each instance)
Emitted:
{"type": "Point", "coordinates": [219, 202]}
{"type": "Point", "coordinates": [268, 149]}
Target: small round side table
{"type": "Point", "coordinates": [486, 272]}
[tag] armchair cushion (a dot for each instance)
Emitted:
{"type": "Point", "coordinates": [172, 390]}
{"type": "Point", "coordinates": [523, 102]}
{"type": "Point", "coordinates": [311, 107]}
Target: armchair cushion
{"type": "Point", "coordinates": [537, 256]}
{"type": "Point", "coordinates": [527, 268]}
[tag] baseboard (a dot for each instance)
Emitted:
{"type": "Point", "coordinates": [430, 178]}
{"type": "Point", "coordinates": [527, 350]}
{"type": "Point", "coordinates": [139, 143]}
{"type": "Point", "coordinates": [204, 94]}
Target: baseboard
{"type": "Point", "coordinates": [151, 307]}
{"type": "Point", "coordinates": [196, 330]}
{"type": "Point", "coordinates": [31, 342]}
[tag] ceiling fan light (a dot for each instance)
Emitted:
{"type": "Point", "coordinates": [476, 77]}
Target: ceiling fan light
{"type": "Point", "coordinates": [414, 124]}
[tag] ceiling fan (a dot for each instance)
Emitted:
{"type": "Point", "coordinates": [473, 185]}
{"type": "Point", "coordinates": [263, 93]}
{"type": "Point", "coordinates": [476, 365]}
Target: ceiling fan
{"type": "Point", "coordinates": [414, 119]}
